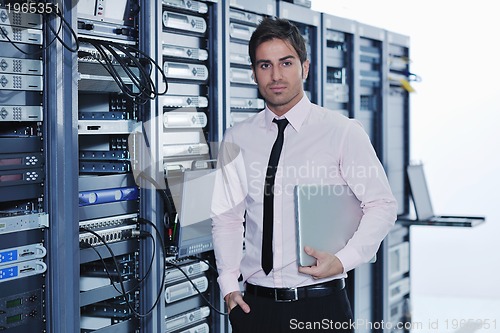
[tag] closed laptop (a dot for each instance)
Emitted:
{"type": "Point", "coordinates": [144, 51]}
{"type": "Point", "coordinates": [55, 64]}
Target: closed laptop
{"type": "Point", "coordinates": [326, 218]}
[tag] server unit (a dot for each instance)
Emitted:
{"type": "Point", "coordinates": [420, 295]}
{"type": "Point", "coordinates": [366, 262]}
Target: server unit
{"type": "Point", "coordinates": [23, 173]}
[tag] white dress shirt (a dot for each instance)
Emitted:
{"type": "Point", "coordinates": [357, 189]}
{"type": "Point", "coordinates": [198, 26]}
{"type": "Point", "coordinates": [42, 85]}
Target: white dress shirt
{"type": "Point", "coordinates": [320, 147]}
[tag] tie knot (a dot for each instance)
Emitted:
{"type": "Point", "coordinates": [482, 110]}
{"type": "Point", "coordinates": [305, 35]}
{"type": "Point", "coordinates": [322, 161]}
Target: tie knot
{"type": "Point", "coordinates": [281, 124]}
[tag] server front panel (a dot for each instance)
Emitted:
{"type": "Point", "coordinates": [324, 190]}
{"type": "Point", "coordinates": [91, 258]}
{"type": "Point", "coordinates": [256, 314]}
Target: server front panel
{"type": "Point", "coordinates": [23, 208]}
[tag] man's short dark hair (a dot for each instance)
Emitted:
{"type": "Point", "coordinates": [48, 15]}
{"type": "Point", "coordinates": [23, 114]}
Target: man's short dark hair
{"type": "Point", "coordinates": [277, 28]}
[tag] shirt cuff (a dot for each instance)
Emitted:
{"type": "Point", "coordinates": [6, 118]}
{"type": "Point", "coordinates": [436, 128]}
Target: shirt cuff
{"type": "Point", "coordinates": [349, 259]}
{"type": "Point", "coordinates": [227, 284]}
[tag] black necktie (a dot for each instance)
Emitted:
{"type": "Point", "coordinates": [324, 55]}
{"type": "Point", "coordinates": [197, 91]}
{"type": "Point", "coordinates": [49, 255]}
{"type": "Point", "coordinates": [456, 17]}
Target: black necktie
{"type": "Point", "coordinates": [268, 220]}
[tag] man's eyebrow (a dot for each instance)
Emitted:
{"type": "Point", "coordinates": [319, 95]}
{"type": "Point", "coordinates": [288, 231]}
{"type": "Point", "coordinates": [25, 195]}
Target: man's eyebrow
{"type": "Point", "coordinates": [261, 61]}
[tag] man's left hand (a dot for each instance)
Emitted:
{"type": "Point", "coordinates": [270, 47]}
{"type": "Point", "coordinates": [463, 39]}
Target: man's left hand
{"type": "Point", "coordinates": [327, 264]}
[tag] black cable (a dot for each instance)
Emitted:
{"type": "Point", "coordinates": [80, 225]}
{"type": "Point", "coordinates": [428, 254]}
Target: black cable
{"type": "Point", "coordinates": [123, 292]}
{"type": "Point", "coordinates": [106, 269]}
{"type": "Point", "coordinates": [59, 13]}
{"type": "Point", "coordinates": [162, 245]}
{"type": "Point", "coordinates": [164, 193]}
{"type": "Point", "coordinates": [150, 266]}
{"type": "Point", "coordinates": [197, 290]}
{"type": "Point", "coordinates": [151, 61]}
{"type": "Point", "coordinates": [109, 66]}
{"type": "Point", "coordinates": [113, 257]}
{"type": "Point", "coordinates": [146, 88]}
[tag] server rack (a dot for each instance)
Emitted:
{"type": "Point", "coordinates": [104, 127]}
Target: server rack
{"type": "Point", "coordinates": [191, 119]}
{"type": "Point", "coordinates": [396, 134]}
{"type": "Point", "coordinates": [111, 95]}
{"type": "Point", "coordinates": [392, 278]}
{"type": "Point", "coordinates": [24, 202]}
{"type": "Point", "coordinates": [367, 108]}
{"type": "Point", "coordinates": [369, 81]}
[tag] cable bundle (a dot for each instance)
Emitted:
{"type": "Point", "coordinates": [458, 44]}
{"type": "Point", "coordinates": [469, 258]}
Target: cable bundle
{"type": "Point", "coordinates": [113, 56]}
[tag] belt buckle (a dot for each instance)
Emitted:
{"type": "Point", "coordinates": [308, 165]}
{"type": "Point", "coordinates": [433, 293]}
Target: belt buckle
{"type": "Point", "coordinates": [279, 293]}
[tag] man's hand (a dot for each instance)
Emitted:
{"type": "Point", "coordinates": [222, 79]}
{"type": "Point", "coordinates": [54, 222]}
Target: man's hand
{"type": "Point", "coordinates": [234, 298]}
{"type": "Point", "coordinates": [327, 264]}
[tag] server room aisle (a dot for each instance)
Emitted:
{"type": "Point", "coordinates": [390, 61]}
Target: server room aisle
{"type": "Point", "coordinates": [452, 314]}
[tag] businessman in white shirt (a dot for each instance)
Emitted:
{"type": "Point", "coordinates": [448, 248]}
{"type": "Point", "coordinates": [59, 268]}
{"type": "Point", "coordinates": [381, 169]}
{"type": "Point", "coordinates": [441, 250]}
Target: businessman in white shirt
{"type": "Point", "coordinates": [292, 141]}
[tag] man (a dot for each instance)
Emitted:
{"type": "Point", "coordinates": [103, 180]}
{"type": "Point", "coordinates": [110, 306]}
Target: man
{"type": "Point", "coordinates": [290, 142]}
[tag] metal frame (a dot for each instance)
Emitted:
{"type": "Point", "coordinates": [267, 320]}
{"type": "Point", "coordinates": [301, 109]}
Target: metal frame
{"type": "Point", "coordinates": [61, 96]}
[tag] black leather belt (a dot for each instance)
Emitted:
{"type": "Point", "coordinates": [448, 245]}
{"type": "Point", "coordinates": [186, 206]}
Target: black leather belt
{"type": "Point", "coordinates": [295, 294]}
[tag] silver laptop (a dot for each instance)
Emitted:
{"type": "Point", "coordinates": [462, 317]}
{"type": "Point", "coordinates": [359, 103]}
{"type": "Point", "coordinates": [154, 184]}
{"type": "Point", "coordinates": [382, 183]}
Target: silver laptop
{"type": "Point", "coordinates": [195, 231]}
{"type": "Point", "coordinates": [422, 200]}
{"type": "Point", "coordinates": [326, 218]}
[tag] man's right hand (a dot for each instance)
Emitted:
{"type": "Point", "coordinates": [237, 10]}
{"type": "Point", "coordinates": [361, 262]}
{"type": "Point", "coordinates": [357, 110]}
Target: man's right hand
{"type": "Point", "coordinates": [235, 298]}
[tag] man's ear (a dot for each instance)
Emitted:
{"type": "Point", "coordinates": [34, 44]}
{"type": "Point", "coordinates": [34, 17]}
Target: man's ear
{"type": "Point", "coordinates": [305, 69]}
{"type": "Point", "coordinates": [254, 77]}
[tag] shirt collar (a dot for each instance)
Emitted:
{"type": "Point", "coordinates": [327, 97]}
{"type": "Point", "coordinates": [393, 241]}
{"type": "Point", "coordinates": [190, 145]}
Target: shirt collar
{"type": "Point", "coordinates": [296, 115]}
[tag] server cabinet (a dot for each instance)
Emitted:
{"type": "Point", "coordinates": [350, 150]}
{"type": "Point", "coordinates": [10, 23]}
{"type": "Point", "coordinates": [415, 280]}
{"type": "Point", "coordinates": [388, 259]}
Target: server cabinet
{"type": "Point", "coordinates": [24, 218]}
{"type": "Point", "coordinates": [111, 95]}
{"type": "Point", "coordinates": [392, 278]}
{"type": "Point", "coordinates": [309, 24]}
{"type": "Point", "coordinates": [191, 117]}
{"type": "Point", "coordinates": [369, 81]}
{"type": "Point", "coordinates": [366, 106]}
{"type": "Point", "coordinates": [396, 113]}
{"type": "Point", "coordinates": [337, 57]}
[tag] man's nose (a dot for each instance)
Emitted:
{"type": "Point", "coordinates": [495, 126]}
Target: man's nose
{"type": "Point", "coordinates": [276, 73]}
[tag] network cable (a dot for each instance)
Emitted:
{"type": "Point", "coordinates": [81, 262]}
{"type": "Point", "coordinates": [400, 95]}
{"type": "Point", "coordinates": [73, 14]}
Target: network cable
{"type": "Point", "coordinates": [113, 55]}
{"type": "Point", "coordinates": [123, 291]}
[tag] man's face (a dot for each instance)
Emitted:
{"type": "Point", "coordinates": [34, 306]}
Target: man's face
{"type": "Point", "coordinates": [279, 74]}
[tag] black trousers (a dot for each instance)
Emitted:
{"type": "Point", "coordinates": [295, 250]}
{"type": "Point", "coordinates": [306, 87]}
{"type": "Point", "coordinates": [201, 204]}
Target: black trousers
{"type": "Point", "coordinates": [330, 313]}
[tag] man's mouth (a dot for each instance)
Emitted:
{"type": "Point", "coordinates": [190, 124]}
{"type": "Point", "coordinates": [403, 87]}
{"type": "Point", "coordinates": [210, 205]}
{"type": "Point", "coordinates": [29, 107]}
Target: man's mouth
{"type": "Point", "coordinates": [277, 89]}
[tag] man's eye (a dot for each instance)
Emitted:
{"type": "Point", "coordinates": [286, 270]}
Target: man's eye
{"type": "Point", "coordinates": [264, 66]}
{"type": "Point", "coordinates": [287, 63]}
